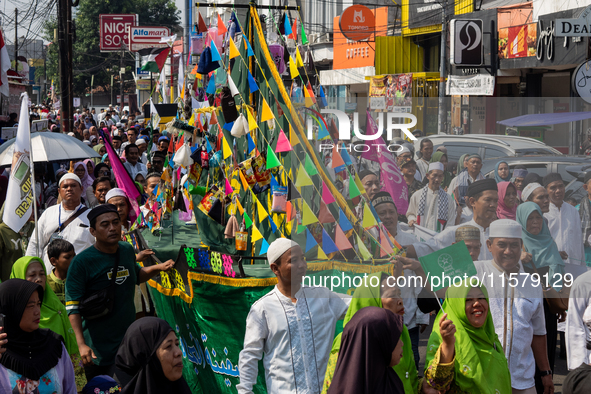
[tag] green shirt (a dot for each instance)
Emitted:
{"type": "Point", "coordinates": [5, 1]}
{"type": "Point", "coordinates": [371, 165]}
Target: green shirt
{"type": "Point", "coordinates": [90, 271]}
{"type": "Point", "coordinates": [58, 286]}
{"type": "Point", "coordinates": [10, 250]}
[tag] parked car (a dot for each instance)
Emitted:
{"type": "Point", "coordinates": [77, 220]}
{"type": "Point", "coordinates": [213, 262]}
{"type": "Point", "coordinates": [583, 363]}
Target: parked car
{"type": "Point", "coordinates": [540, 164]}
{"type": "Point", "coordinates": [574, 188]}
{"type": "Point", "coordinates": [488, 145]}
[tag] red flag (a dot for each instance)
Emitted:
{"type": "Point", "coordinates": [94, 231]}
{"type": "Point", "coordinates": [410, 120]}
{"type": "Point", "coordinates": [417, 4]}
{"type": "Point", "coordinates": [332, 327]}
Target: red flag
{"type": "Point", "coordinates": [202, 28]}
{"type": "Point", "coordinates": [294, 30]}
{"type": "Point", "coordinates": [221, 27]}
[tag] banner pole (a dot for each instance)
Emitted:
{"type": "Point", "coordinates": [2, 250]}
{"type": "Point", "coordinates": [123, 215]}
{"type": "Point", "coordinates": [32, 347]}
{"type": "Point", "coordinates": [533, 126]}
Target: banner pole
{"type": "Point", "coordinates": [34, 190]}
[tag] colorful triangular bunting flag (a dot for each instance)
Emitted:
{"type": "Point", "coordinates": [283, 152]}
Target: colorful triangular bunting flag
{"type": "Point", "coordinates": [252, 83]}
{"type": "Point", "coordinates": [266, 113]}
{"type": "Point", "coordinates": [344, 222]}
{"type": "Point", "coordinates": [215, 54]}
{"type": "Point", "coordinates": [327, 243]}
{"type": "Point", "coordinates": [272, 160]}
{"type": "Point", "coordinates": [310, 241]}
{"type": "Point", "coordinates": [256, 234]}
{"type": "Point", "coordinates": [309, 166]}
{"type": "Point", "coordinates": [226, 149]}
{"type": "Point", "coordinates": [337, 160]}
{"type": "Point", "coordinates": [327, 196]}
{"type": "Point", "coordinates": [293, 70]}
{"type": "Point", "coordinates": [353, 189]}
{"type": "Point", "coordinates": [308, 216]}
{"type": "Point", "coordinates": [368, 219]}
{"type": "Point", "coordinates": [324, 214]}
{"type": "Point", "coordinates": [302, 178]}
{"type": "Point", "coordinates": [283, 144]}
{"type": "Point", "coordinates": [363, 249]}
{"type": "Point", "coordinates": [385, 247]}
{"type": "Point", "coordinates": [341, 239]}
{"type": "Point", "coordinates": [233, 50]}
{"type": "Point", "coordinates": [221, 26]}
{"type": "Point", "coordinates": [264, 247]}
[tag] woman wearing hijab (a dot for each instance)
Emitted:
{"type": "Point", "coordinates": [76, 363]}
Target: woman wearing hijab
{"type": "Point", "coordinates": [81, 171]}
{"type": "Point", "coordinates": [442, 158]}
{"type": "Point", "coordinates": [477, 363]}
{"type": "Point", "coordinates": [462, 162]}
{"type": "Point", "coordinates": [150, 353]}
{"type": "Point", "coordinates": [53, 313]}
{"type": "Point", "coordinates": [101, 150]}
{"type": "Point", "coordinates": [540, 247]}
{"type": "Point", "coordinates": [502, 173]}
{"type": "Point", "coordinates": [370, 347]}
{"type": "Point", "coordinates": [382, 297]}
{"type": "Point", "coordinates": [90, 168]}
{"type": "Point", "coordinates": [36, 360]}
{"type": "Point", "coordinates": [507, 206]}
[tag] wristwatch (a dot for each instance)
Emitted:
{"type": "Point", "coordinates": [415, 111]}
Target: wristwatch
{"type": "Point", "coordinates": [545, 373]}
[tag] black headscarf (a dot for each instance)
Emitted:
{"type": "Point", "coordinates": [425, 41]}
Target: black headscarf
{"type": "Point", "coordinates": [366, 350]}
{"type": "Point", "coordinates": [30, 354]}
{"type": "Point", "coordinates": [137, 357]}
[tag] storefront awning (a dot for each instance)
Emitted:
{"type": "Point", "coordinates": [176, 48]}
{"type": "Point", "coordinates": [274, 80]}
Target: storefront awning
{"type": "Point", "coordinates": [545, 119]}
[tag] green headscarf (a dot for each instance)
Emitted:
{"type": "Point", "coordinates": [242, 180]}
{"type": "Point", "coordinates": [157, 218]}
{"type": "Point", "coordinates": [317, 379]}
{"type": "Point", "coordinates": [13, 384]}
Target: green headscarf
{"type": "Point", "coordinates": [370, 296]}
{"type": "Point", "coordinates": [436, 157]}
{"type": "Point", "coordinates": [480, 363]}
{"type": "Point", "coordinates": [97, 149]}
{"type": "Point", "coordinates": [53, 312]}
{"type": "Point", "coordinates": [461, 163]}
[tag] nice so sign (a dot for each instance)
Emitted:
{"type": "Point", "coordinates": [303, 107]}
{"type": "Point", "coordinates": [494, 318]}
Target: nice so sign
{"type": "Point", "coordinates": [579, 27]}
{"type": "Point", "coordinates": [114, 31]}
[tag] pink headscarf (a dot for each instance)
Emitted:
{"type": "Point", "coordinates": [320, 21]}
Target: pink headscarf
{"type": "Point", "coordinates": [504, 212]}
{"type": "Point", "coordinates": [86, 180]}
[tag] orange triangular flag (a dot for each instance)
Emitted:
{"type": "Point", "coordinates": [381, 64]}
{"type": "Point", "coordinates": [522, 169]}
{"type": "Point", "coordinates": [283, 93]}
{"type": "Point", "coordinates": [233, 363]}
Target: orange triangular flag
{"type": "Point", "coordinates": [288, 211]}
{"type": "Point", "coordinates": [293, 138]}
{"type": "Point", "coordinates": [386, 248]}
{"type": "Point", "coordinates": [324, 215]}
{"type": "Point", "coordinates": [266, 113]}
{"type": "Point", "coordinates": [221, 26]}
{"type": "Point", "coordinates": [337, 160]}
{"type": "Point", "coordinates": [243, 180]}
{"type": "Point", "coordinates": [294, 30]}
{"type": "Point", "coordinates": [341, 240]}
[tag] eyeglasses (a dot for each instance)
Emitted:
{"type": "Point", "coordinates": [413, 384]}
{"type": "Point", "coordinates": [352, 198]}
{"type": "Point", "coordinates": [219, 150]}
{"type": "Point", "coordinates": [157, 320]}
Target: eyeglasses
{"type": "Point", "coordinates": [105, 173]}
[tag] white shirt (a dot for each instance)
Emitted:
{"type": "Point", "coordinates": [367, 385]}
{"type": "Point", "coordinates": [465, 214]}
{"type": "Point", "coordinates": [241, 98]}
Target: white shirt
{"type": "Point", "coordinates": [448, 237]}
{"type": "Point", "coordinates": [565, 227]}
{"type": "Point", "coordinates": [516, 306]}
{"type": "Point", "coordinates": [454, 183]}
{"type": "Point", "coordinates": [295, 340]}
{"type": "Point", "coordinates": [77, 232]}
{"type": "Point", "coordinates": [422, 169]}
{"type": "Point", "coordinates": [134, 169]}
{"type": "Point", "coordinates": [577, 333]}
{"type": "Point", "coordinates": [429, 218]}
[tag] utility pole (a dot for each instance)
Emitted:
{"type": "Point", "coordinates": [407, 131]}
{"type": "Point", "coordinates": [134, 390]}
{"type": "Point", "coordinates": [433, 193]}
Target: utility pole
{"type": "Point", "coordinates": [65, 63]}
{"type": "Point", "coordinates": [121, 73]}
{"type": "Point", "coordinates": [15, 40]}
{"type": "Point", "coordinates": [442, 71]}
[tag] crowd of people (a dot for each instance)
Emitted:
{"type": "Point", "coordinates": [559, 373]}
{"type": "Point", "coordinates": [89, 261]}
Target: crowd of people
{"type": "Point", "coordinates": [75, 319]}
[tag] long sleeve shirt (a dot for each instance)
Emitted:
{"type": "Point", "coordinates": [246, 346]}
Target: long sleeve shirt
{"type": "Point", "coordinates": [565, 227]}
{"type": "Point", "coordinates": [430, 214]}
{"type": "Point", "coordinates": [77, 232]}
{"type": "Point", "coordinates": [576, 330]}
{"type": "Point", "coordinates": [134, 169]}
{"type": "Point", "coordinates": [295, 339]}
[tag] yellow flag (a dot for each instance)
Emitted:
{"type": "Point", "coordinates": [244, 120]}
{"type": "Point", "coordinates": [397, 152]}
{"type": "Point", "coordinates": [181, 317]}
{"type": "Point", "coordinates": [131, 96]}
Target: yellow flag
{"type": "Point", "coordinates": [368, 219]}
{"type": "Point", "coordinates": [293, 138]}
{"type": "Point", "coordinates": [261, 210]}
{"type": "Point", "coordinates": [252, 123]}
{"type": "Point", "coordinates": [363, 250]}
{"type": "Point", "coordinates": [358, 182]}
{"type": "Point", "coordinates": [192, 120]}
{"type": "Point", "coordinates": [293, 70]}
{"type": "Point", "coordinates": [307, 98]}
{"type": "Point", "coordinates": [321, 254]}
{"type": "Point", "coordinates": [226, 148]}
{"type": "Point", "coordinates": [233, 50]}
{"type": "Point", "coordinates": [299, 61]}
{"type": "Point", "coordinates": [308, 216]}
{"type": "Point", "coordinates": [302, 178]}
{"type": "Point", "coordinates": [256, 234]}
{"type": "Point", "coordinates": [243, 180]}
{"type": "Point", "coordinates": [266, 114]}
{"type": "Point", "coordinates": [240, 209]}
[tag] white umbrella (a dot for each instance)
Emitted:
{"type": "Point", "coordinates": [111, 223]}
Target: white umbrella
{"type": "Point", "coordinates": [48, 146]}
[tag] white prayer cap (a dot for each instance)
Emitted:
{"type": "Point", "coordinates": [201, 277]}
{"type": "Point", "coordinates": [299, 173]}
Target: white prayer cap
{"type": "Point", "coordinates": [140, 141]}
{"type": "Point", "coordinates": [529, 189]}
{"type": "Point", "coordinates": [115, 192]}
{"type": "Point", "coordinates": [71, 134]}
{"type": "Point", "coordinates": [278, 248]}
{"type": "Point", "coordinates": [436, 166]}
{"type": "Point", "coordinates": [505, 228]}
{"type": "Point", "coordinates": [402, 150]}
{"type": "Point", "coordinates": [87, 142]}
{"type": "Point", "coordinates": [70, 175]}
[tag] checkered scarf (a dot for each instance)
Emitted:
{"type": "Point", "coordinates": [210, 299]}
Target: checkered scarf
{"type": "Point", "coordinates": [441, 207]}
{"type": "Point", "coordinates": [585, 215]}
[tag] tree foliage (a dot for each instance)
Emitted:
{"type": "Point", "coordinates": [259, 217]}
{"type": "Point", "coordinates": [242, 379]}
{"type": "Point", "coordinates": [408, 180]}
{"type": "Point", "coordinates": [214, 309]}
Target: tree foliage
{"type": "Point", "coordinates": [87, 58]}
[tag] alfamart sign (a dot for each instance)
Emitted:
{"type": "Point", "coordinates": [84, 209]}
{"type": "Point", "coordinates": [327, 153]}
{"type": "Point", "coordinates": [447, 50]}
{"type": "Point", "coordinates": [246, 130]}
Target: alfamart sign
{"type": "Point", "coordinates": [579, 27]}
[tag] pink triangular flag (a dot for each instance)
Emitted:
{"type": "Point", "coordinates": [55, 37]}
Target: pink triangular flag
{"type": "Point", "coordinates": [283, 144]}
{"type": "Point", "coordinates": [341, 240]}
{"type": "Point", "coordinates": [327, 196]}
{"type": "Point", "coordinates": [386, 248]}
{"type": "Point", "coordinates": [229, 189]}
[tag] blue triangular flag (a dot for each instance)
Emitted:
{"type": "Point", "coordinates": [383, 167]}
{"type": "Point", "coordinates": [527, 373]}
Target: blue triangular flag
{"type": "Point", "coordinates": [211, 86]}
{"type": "Point", "coordinates": [286, 26]}
{"type": "Point", "coordinates": [339, 169]}
{"type": "Point", "coordinates": [322, 132]}
{"type": "Point", "coordinates": [235, 20]}
{"type": "Point", "coordinates": [322, 97]}
{"type": "Point", "coordinates": [215, 54]}
{"type": "Point", "coordinates": [274, 182]}
{"type": "Point", "coordinates": [345, 156]}
{"type": "Point", "coordinates": [373, 211]}
{"type": "Point", "coordinates": [209, 148]}
{"type": "Point", "coordinates": [228, 126]}
{"type": "Point", "coordinates": [249, 51]}
{"type": "Point", "coordinates": [328, 245]}
{"type": "Point", "coordinates": [264, 247]}
{"type": "Point", "coordinates": [252, 83]}
{"type": "Point", "coordinates": [344, 222]}
{"type": "Point", "coordinates": [273, 225]}
{"type": "Point", "coordinates": [251, 145]}
{"type": "Point", "coordinates": [310, 241]}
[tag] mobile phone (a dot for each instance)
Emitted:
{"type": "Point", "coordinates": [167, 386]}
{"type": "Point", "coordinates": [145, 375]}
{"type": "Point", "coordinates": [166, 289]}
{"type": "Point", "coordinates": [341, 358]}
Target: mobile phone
{"type": "Point", "coordinates": [2, 316]}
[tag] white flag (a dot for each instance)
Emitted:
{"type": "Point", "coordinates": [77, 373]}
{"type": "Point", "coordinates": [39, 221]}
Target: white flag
{"type": "Point", "coordinates": [181, 77]}
{"type": "Point", "coordinates": [154, 117]}
{"type": "Point", "coordinates": [19, 195]}
{"type": "Point", "coordinates": [162, 85]}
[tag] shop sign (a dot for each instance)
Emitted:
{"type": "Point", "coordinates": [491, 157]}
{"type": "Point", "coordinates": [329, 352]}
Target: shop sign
{"type": "Point", "coordinates": [466, 42]}
{"type": "Point", "coordinates": [357, 23]}
{"type": "Point", "coordinates": [581, 82]}
{"type": "Point", "coordinates": [473, 85]}
{"type": "Point", "coordinates": [579, 27]}
{"type": "Point", "coordinates": [517, 41]}
{"type": "Point", "coordinates": [545, 44]}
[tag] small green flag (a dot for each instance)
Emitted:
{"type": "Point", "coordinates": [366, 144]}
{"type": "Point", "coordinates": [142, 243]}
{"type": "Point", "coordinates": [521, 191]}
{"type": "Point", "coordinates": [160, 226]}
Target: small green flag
{"type": "Point", "coordinates": [353, 189]}
{"type": "Point", "coordinates": [247, 220]}
{"type": "Point", "coordinates": [272, 160]}
{"type": "Point", "coordinates": [303, 35]}
{"type": "Point", "coordinates": [448, 265]}
{"type": "Point", "coordinates": [309, 166]}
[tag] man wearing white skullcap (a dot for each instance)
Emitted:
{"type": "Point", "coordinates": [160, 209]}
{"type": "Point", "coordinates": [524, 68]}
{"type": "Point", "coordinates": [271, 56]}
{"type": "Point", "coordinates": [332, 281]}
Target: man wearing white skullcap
{"type": "Point", "coordinates": [118, 198]}
{"type": "Point", "coordinates": [516, 306]}
{"type": "Point", "coordinates": [537, 193]}
{"type": "Point", "coordinates": [66, 220]}
{"type": "Point", "coordinates": [292, 327]}
{"type": "Point", "coordinates": [578, 322]}
{"type": "Point", "coordinates": [432, 207]}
